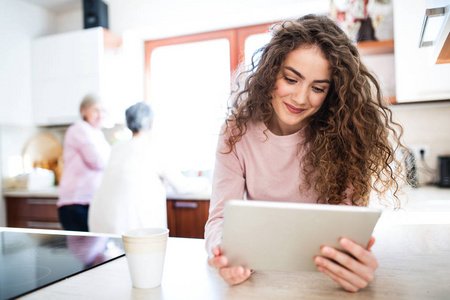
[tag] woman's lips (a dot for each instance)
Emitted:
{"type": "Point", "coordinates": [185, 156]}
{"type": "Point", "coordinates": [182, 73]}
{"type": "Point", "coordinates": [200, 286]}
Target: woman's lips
{"type": "Point", "coordinates": [293, 109]}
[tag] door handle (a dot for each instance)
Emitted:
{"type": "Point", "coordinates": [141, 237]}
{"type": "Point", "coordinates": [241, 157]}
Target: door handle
{"type": "Point", "coordinates": [37, 201]}
{"type": "Point", "coordinates": [429, 13]}
{"type": "Point", "coordinates": [185, 204]}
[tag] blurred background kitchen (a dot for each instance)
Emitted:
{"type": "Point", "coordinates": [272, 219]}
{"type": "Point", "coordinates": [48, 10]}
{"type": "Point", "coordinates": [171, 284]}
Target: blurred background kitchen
{"type": "Point", "coordinates": [177, 56]}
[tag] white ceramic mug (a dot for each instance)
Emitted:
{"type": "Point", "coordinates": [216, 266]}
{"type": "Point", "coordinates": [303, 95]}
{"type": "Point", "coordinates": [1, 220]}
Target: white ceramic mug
{"type": "Point", "coordinates": [145, 250]}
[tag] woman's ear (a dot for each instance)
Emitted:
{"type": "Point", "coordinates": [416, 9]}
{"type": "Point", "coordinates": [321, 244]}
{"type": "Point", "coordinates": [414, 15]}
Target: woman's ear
{"type": "Point", "coordinates": [83, 113]}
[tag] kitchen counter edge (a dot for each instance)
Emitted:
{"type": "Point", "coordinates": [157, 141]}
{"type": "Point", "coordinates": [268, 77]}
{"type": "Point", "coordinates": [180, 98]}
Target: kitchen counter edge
{"type": "Point", "coordinates": [53, 193]}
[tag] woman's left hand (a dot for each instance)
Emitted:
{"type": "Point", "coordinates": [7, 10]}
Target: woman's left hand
{"type": "Point", "coordinates": [352, 273]}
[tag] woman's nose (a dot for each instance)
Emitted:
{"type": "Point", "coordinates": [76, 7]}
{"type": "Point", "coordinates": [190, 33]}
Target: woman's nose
{"type": "Point", "coordinates": [300, 95]}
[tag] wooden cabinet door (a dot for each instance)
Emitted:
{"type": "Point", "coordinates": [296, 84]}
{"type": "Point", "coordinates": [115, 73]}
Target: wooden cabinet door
{"type": "Point", "coordinates": [32, 213]}
{"type": "Point", "coordinates": [187, 218]}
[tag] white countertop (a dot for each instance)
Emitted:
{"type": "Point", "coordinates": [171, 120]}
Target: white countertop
{"type": "Point", "coordinates": [412, 247]}
{"type": "Point", "coordinates": [426, 197]}
{"type": "Point", "coordinates": [189, 196]}
{"type": "Point", "coordinates": [423, 205]}
{"type": "Point", "coordinates": [413, 263]}
{"type": "Point", "coordinates": [51, 192]}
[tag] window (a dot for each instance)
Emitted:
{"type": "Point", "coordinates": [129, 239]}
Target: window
{"type": "Point", "coordinates": [188, 86]}
{"type": "Point", "coordinates": [189, 90]}
{"type": "Point", "coordinates": [253, 43]}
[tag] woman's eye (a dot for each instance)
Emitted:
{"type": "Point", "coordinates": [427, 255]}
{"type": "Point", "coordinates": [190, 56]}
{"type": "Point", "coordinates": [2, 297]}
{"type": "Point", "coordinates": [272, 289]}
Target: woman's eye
{"type": "Point", "coordinates": [290, 80]}
{"type": "Point", "coordinates": [318, 90]}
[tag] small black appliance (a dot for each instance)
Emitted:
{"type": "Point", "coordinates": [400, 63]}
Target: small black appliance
{"type": "Point", "coordinates": [95, 14]}
{"type": "Point", "coordinates": [444, 171]}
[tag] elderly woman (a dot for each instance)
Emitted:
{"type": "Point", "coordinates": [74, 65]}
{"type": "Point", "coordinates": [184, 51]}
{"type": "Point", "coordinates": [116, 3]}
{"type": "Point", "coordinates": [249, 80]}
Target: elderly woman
{"type": "Point", "coordinates": [131, 194]}
{"type": "Point", "coordinates": [86, 153]}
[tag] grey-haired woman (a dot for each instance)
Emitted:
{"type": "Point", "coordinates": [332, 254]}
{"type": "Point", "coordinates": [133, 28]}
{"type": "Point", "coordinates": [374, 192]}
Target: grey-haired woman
{"type": "Point", "coordinates": [131, 194]}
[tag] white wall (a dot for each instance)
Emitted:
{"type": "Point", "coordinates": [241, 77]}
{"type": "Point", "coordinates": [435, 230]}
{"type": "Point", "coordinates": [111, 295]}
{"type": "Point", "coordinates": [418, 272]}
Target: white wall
{"type": "Point", "coordinates": [383, 66]}
{"type": "Point", "coordinates": [69, 21]}
{"type": "Point", "coordinates": [426, 124]}
{"type": "Point", "coordinates": [177, 17]}
{"type": "Point", "coordinates": [19, 23]}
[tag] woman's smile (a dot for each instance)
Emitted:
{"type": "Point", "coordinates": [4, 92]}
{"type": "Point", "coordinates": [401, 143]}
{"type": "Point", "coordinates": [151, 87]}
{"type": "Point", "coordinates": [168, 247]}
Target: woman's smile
{"type": "Point", "coordinates": [293, 109]}
{"type": "Point", "coordinates": [301, 87]}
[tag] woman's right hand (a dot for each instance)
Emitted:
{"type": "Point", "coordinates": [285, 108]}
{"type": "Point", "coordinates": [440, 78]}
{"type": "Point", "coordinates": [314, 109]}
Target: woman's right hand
{"type": "Point", "coordinates": [231, 275]}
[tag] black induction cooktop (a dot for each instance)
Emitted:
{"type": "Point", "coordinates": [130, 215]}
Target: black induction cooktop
{"type": "Point", "coordinates": [29, 260]}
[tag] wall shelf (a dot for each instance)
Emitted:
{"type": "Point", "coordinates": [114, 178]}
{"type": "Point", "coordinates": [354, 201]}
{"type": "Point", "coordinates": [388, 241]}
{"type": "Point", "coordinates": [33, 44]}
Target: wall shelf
{"type": "Point", "coordinates": [376, 47]}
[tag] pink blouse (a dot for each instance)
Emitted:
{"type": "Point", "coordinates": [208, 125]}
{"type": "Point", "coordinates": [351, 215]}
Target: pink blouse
{"type": "Point", "coordinates": [260, 167]}
{"type": "Point", "coordinates": [86, 153]}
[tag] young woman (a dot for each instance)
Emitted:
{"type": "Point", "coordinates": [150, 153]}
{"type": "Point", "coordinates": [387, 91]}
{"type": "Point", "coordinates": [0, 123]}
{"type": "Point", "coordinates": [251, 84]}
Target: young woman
{"type": "Point", "coordinates": [308, 125]}
{"type": "Point", "coordinates": [86, 152]}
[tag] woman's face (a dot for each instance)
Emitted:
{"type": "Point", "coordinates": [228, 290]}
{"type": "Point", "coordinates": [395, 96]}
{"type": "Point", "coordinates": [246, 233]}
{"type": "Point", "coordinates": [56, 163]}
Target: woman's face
{"type": "Point", "coordinates": [300, 90]}
{"type": "Point", "coordinates": [93, 115]}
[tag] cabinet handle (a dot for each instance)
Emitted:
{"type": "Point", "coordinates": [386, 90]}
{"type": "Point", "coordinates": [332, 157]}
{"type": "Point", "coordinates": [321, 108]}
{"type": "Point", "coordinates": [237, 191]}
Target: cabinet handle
{"type": "Point", "coordinates": [429, 13]}
{"type": "Point", "coordinates": [184, 204]}
{"type": "Point", "coordinates": [38, 201]}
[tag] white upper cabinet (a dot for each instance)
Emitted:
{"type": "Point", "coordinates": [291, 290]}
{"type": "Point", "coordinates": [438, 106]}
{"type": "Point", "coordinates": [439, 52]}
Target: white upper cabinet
{"type": "Point", "coordinates": [418, 78]}
{"type": "Point", "coordinates": [65, 68]}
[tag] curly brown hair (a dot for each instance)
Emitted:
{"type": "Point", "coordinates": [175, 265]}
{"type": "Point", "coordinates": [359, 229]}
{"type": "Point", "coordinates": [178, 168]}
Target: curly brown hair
{"type": "Point", "coordinates": [348, 141]}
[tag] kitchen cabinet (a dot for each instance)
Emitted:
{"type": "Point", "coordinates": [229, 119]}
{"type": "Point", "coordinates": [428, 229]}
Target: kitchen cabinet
{"type": "Point", "coordinates": [187, 218]}
{"type": "Point", "coordinates": [68, 66]}
{"type": "Point", "coordinates": [418, 78]}
{"type": "Point", "coordinates": [438, 10]}
{"type": "Point", "coordinates": [32, 212]}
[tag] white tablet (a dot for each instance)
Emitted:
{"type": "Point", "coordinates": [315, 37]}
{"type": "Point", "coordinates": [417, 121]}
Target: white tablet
{"type": "Point", "coordinates": [262, 235]}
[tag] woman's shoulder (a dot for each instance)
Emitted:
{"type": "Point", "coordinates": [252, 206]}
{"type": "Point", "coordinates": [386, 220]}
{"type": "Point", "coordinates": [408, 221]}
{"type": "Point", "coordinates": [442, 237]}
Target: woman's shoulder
{"type": "Point", "coordinates": [128, 145]}
{"type": "Point", "coordinates": [79, 126]}
{"type": "Point", "coordinates": [242, 136]}
{"type": "Point", "coordinates": [230, 127]}
{"type": "Point", "coordinates": [82, 131]}
{"type": "Point", "coordinates": [76, 128]}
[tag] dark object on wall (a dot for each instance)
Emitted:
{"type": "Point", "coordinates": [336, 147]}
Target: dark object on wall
{"type": "Point", "coordinates": [366, 31]}
{"type": "Point", "coordinates": [95, 14]}
{"type": "Point", "coordinates": [444, 171]}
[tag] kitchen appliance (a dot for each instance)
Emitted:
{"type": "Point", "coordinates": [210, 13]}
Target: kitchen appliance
{"type": "Point", "coordinates": [30, 260]}
{"type": "Point", "coordinates": [444, 171]}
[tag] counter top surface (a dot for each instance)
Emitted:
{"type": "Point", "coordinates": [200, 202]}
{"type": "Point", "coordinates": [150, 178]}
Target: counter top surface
{"type": "Point", "coordinates": [413, 195]}
{"type": "Point", "coordinates": [413, 263]}
{"type": "Point", "coordinates": [52, 192]}
{"type": "Point", "coordinates": [189, 196]}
